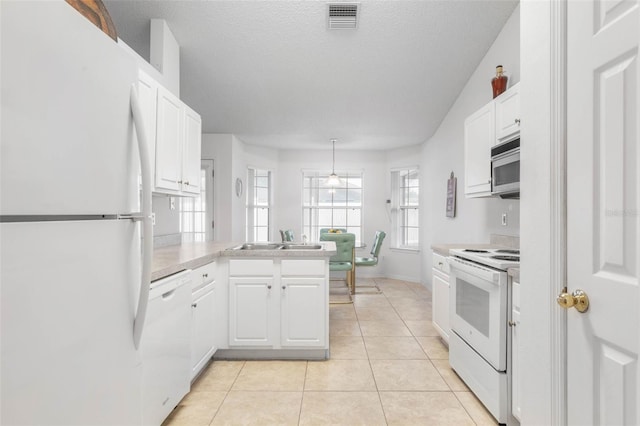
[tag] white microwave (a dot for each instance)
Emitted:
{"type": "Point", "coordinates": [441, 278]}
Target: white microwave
{"type": "Point", "coordinates": [505, 169]}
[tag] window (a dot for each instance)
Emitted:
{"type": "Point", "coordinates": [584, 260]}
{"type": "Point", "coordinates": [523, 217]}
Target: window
{"type": "Point", "coordinates": [405, 208]}
{"type": "Point", "coordinates": [258, 205]}
{"type": "Point", "coordinates": [326, 207]}
{"type": "Point", "coordinates": [196, 213]}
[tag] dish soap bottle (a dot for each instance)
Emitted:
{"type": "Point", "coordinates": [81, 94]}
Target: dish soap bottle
{"type": "Point", "coordinates": [499, 82]}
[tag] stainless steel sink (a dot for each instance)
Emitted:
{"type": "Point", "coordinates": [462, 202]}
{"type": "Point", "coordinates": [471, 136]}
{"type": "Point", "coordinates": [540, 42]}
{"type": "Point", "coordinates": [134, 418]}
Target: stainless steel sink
{"type": "Point", "coordinates": [302, 247]}
{"type": "Point", "coordinates": [277, 246]}
{"type": "Point", "coordinates": [259, 246]}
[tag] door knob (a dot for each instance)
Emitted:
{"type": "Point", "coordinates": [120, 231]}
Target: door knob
{"type": "Point", "coordinates": [577, 299]}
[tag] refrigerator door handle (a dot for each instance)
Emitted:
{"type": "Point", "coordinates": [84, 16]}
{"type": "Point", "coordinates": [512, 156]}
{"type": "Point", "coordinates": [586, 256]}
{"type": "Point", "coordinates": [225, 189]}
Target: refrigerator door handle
{"type": "Point", "coordinates": [147, 228]}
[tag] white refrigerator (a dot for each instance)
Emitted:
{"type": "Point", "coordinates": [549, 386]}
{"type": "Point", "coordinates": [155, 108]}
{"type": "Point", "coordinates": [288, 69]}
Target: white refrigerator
{"type": "Point", "coordinates": [75, 232]}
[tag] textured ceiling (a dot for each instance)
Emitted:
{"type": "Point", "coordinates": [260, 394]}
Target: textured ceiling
{"type": "Point", "coordinates": [271, 73]}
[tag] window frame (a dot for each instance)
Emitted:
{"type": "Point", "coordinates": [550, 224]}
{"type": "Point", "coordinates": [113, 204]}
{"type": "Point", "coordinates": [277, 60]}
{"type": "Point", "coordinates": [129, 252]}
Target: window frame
{"type": "Point", "coordinates": [311, 205]}
{"type": "Point", "coordinates": [252, 205]}
{"type": "Point", "coordinates": [401, 205]}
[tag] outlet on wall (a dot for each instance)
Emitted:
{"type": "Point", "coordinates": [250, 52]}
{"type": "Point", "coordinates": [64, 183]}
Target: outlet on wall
{"type": "Point", "coordinates": [504, 219]}
{"type": "Point", "coordinates": [172, 203]}
{"type": "Point", "coordinates": [153, 219]}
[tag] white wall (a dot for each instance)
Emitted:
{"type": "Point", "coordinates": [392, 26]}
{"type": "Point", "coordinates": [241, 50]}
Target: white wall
{"type": "Point", "coordinates": [476, 218]}
{"type": "Point", "coordinates": [231, 157]}
{"type": "Point", "coordinates": [219, 148]}
{"type": "Point", "coordinates": [536, 277]}
{"type": "Point", "coordinates": [164, 54]}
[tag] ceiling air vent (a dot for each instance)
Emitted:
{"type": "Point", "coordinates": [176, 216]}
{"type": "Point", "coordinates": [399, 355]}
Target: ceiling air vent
{"type": "Point", "coordinates": [343, 16]}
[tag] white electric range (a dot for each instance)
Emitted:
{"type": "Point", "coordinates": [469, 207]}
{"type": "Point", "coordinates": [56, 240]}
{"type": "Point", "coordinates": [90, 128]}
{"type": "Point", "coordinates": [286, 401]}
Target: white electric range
{"type": "Point", "coordinates": [480, 310]}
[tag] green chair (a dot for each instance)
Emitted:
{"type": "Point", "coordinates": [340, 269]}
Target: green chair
{"type": "Point", "coordinates": [372, 260]}
{"type": "Point", "coordinates": [287, 235]}
{"type": "Point", "coordinates": [343, 259]}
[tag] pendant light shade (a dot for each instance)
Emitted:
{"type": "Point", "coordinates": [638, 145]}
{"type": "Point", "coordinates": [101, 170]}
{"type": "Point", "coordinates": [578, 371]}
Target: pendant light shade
{"type": "Point", "coordinates": [333, 180]}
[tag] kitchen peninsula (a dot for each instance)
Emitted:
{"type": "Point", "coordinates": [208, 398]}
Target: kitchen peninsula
{"type": "Point", "coordinates": [269, 301]}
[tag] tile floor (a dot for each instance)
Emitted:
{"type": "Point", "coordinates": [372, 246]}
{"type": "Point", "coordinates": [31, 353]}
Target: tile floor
{"type": "Point", "coordinates": [388, 367]}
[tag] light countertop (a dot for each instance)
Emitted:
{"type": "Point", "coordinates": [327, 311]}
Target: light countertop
{"type": "Point", "coordinates": [171, 259]}
{"type": "Point", "coordinates": [175, 258]}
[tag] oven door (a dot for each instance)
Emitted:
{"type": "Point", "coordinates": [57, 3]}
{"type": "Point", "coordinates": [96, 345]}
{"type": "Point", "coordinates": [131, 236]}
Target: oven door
{"type": "Point", "coordinates": [478, 309]}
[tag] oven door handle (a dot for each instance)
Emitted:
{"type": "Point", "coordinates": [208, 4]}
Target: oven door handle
{"type": "Point", "coordinates": [474, 269]}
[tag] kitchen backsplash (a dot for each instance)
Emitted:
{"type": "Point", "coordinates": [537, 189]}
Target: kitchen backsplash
{"type": "Point", "coordinates": [505, 240]}
{"type": "Point", "coordinates": [166, 240]}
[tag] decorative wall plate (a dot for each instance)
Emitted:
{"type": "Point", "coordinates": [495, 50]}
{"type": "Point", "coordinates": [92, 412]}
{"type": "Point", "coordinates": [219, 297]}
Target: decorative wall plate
{"type": "Point", "coordinates": [238, 187]}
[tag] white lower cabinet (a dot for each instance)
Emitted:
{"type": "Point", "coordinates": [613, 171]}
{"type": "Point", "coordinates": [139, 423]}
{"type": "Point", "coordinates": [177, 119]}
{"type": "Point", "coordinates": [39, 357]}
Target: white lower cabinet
{"type": "Point", "coordinates": [203, 311]}
{"type": "Point", "coordinates": [202, 329]}
{"type": "Point", "coordinates": [283, 306]}
{"type": "Point", "coordinates": [516, 381]}
{"type": "Point", "coordinates": [302, 320]}
{"type": "Point", "coordinates": [440, 296]}
{"type": "Point", "coordinates": [251, 310]}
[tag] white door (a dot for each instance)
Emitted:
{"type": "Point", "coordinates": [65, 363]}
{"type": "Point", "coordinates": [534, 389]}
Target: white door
{"type": "Point", "coordinates": [67, 134]}
{"type": "Point", "coordinates": [603, 205]}
{"type": "Point", "coordinates": [69, 295]}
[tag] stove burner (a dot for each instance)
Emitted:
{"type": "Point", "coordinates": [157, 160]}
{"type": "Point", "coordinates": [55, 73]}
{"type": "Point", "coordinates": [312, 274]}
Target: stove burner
{"type": "Point", "coordinates": [475, 251]}
{"type": "Point", "coordinates": [512, 258]}
{"type": "Point", "coordinates": [508, 251]}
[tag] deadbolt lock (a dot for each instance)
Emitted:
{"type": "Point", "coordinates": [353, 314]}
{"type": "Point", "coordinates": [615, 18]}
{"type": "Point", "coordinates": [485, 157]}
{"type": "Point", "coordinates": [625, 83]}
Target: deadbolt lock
{"type": "Point", "coordinates": [577, 299]}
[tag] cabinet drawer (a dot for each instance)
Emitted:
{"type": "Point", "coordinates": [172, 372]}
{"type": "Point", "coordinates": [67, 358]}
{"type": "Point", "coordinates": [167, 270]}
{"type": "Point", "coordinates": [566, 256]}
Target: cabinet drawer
{"type": "Point", "coordinates": [200, 292]}
{"type": "Point", "coordinates": [250, 267]}
{"type": "Point", "coordinates": [315, 267]}
{"type": "Point", "coordinates": [440, 263]}
{"type": "Point", "coordinates": [203, 275]}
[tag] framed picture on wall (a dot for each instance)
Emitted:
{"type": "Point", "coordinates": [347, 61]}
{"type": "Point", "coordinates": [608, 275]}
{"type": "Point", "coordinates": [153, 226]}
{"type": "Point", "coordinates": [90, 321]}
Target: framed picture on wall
{"type": "Point", "coordinates": [451, 196]}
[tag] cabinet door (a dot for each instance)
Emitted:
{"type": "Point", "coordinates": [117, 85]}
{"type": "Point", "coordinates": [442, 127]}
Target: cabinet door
{"type": "Point", "coordinates": [202, 329]}
{"type": "Point", "coordinates": [250, 311]}
{"type": "Point", "coordinates": [508, 114]}
{"type": "Point", "coordinates": [479, 137]}
{"type": "Point", "coordinates": [191, 151]}
{"type": "Point", "coordinates": [515, 353]}
{"type": "Point", "coordinates": [169, 139]}
{"type": "Point", "coordinates": [440, 304]}
{"type": "Point", "coordinates": [303, 317]}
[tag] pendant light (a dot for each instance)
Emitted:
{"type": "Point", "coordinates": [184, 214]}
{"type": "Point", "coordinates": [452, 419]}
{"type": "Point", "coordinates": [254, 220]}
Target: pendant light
{"type": "Point", "coordinates": [333, 179]}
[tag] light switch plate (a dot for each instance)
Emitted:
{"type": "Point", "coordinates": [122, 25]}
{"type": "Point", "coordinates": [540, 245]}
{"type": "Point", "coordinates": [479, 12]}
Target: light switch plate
{"type": "Point", "coordinates": [504, 219]}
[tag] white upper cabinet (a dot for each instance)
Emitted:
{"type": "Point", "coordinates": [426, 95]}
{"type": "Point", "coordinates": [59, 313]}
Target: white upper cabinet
{"type": "Point", "coordinates": [508, 114]}
{"type": "Point", "coordinates": [169, 141]}
{"type": "Point", "coordinates": [479, 137]}
{"type": "Point", "coordinates": [191, 151]}
{"type": "Point", "coordinates": [496, 122]}
{"type": "Point", "coordinates": [174, 132]}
